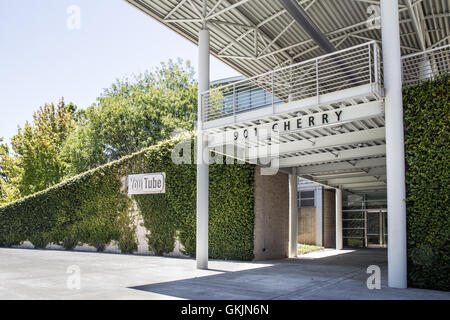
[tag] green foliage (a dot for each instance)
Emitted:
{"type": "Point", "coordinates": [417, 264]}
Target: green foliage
{"type": "Point", "coordinates": [88, 208]}
{"type": "Point", "coordinates": [91, 209]}
{"type": "Point", "coordinates": [35, 163]}
{"type": "Point", "coordinates": [10, 174]}
{"type": "Point", "coordinates": [133, 114]}
{"type": "Point", "coordinates": [127, 234]}
{"type": "Point", "coordinates": [159, 220]}
{"type": "Point", "coordinates": [231, 191]}
{"type": "Point", "coordinates": [307, 248]}
{"type": "Point", "coordinates": [172, 215]}
{"type": "Point", "coordinates": [427, 117]}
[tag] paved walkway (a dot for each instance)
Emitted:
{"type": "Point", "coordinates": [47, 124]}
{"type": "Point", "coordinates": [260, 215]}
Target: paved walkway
{"type": "Point", "coordinates": [43, 274]}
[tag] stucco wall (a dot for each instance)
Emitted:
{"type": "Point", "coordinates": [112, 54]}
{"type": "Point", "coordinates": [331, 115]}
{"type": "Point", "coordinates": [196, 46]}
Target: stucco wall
{"type": "Point", "coordinates": [271, 231]}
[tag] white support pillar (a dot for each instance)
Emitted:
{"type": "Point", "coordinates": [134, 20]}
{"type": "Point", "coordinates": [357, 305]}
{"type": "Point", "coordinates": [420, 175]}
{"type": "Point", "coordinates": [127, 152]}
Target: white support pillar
{"type": "Point", "coordinates": [293, 214]}
{"type": "Point", "coordinates": [202, 156]}
{"type": "Point", "coordinates": [339, 239]}
{"type": "Point", "coordinates": [395, 154]}
{"type": "Point", "coordinates": [319, 216]}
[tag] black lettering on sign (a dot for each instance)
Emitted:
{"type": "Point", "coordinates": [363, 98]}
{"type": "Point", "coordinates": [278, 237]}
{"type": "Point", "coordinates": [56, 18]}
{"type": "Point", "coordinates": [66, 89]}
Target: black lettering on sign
{"type": "Point", "coordinates": [246, 134]}
{"type": "Point", "coordinates": [287, 126]}
{"type": "Point", "coordinates": [324, 118]}
{"type": "Point", "coordinates": [311, 121]}
{"type": "Point", "coordinates": [236, 135]}
{"type": "Point", "coordinates": [338, 113]}
{"type": "Point", "coordinates": [273, 127]}
{"type": "Point", "coordinates": [299, 123]}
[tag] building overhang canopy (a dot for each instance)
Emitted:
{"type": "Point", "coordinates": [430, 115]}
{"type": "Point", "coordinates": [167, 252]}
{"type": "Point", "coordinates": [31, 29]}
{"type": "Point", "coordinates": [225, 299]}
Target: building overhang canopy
{"type": "Point", "coordinates": [254, 36]}
{"type": "Point", "coordinates": [320, 113]}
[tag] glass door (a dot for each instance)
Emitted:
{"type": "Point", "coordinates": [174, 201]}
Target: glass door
{"type": "Point", "coordinates": [376, 235]}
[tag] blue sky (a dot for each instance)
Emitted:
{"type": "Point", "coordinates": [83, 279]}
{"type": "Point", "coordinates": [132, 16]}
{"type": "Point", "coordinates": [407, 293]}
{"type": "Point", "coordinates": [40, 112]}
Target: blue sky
{"type": "Point", "coordinates": [41, 59]}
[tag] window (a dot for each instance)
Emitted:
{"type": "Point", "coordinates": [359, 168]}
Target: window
{"type": "Point", "coordinates": [307, 199]}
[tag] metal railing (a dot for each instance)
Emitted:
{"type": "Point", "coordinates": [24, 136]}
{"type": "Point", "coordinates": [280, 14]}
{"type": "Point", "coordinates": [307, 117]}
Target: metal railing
{"type": "Point", "coordinates": [351, 67]}
{"type": "Point", "coordinates": [425, 65]}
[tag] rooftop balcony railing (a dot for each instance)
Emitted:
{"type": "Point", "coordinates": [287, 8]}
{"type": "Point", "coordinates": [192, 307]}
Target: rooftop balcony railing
{"type": "Point", "coordinates": [353, 67]}
{"type": "Point", "coordinates": [340, 70]}
{"type": "Point", "coordinates": [425, 65]}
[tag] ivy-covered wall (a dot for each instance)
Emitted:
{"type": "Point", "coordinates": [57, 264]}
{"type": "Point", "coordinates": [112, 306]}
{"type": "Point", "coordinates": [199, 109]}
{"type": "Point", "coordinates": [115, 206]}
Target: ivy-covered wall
{"type": "Point", "coordinates": [427, 148]}
{"type": "Point", "coordinates": [86, 209]}
{"type": "Point", "coordinates": [173, 214]}
{"type": "Point", "coordinates": [91, 209]}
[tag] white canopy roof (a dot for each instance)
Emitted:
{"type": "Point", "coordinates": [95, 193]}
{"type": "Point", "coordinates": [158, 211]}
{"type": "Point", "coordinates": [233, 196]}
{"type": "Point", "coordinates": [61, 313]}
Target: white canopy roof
{"type": "Point", "coordinates": [255, 36]}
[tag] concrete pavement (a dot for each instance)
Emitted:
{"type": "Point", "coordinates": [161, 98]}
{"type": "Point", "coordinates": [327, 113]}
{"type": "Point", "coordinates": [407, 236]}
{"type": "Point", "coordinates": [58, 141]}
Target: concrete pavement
{"type": "Point", "coordinates": [47, 274]}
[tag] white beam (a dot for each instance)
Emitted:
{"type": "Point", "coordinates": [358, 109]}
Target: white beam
{"type": "Point", "coordinates": [346, 181]}
{"type": "Point", "coordinates": [372, 172]}
{"type": "Point", "coordinates": [322, 142]}
{"type": "Point", "coordinates": [278, 36]}
{"type": "Point", "coordinates": [416, 25]}
{"type": "Point", "coordinates": [213, 9]}
{"type": "Point", "coordinates": [213, 15]}
{"type": "Point", "coordinates": [290, 125]}
{"type": "Point", "coordinates": [226, 36]}
{"type": "Point", "coordinates": [175, 9]}
{"type": "Point", "coordinates": [395, 155]}
{"type": "Point", "coordinates": [364, 185]}
{"type": "Point", "coordinates": [337, 156]}
{"type": "Point", "coordinates": [260, 32]}
{"type": "Point", "coordinates": [371, 189]}
{"type": "Point", "coordinates": [342, 166]}
{"type": "Point", "coordinates": [195, 9]}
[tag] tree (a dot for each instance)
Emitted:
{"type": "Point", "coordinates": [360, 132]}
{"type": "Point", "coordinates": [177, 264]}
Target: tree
{"type": "Point", "coordinates": [3, 150]}
{"type": "Point", "coordinates": [10, 174]}
{"type": "Point", "coordinates": [37, 148]}
{"type": "Point", "coordinates": [133, 114]}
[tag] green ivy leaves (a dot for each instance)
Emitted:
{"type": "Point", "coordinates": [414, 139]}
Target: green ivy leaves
{"type": "Point", "coordinates": [427, 149]}
{"type": "Point", "coordinates": [90, 208]}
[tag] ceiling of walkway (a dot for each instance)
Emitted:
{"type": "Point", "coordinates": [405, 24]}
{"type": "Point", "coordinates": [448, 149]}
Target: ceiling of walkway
{"type": "Point", "coordinates": [255, 36]}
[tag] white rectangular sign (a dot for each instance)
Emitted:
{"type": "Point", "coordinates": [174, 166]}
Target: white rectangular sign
{"type": "Point", "coordinates": [300, 123]}
{"type": "Point", "coordinates": [147, 183]}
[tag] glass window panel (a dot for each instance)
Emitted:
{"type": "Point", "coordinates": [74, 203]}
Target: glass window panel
{"type": "Point", "coordinates": [307, 194]}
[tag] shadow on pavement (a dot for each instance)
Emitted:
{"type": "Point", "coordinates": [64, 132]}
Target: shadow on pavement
{"type": "Point", "coordinates": [282, 279]}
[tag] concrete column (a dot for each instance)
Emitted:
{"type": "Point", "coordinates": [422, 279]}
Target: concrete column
{"type": "Point", "coordinates": [293, 214]}
{"type": "Point", "coordinates": [202, 156]}
{"type": "Point", "coordinates": [395, 154]}
{"type": "Point", "coordinates": [319, 216]}
{"type": "Point", "coordinates": [339, 240]}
